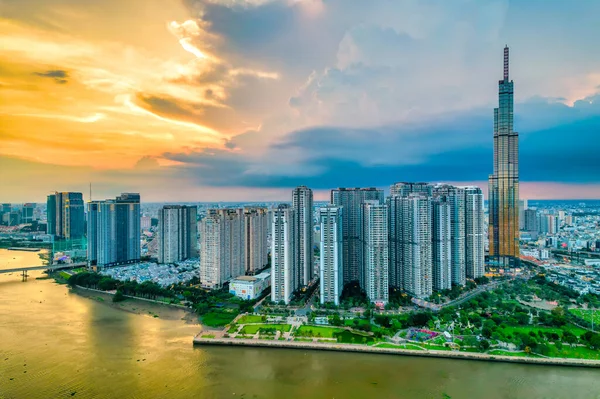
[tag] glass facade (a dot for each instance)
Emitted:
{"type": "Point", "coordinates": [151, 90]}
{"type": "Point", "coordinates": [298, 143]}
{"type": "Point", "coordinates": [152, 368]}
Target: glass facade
{"type": "Point", "coordinates": [504, 182]}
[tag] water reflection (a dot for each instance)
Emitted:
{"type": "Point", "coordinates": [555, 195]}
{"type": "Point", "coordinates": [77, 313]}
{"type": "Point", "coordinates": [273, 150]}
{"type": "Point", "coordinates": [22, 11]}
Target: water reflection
{"type": "Point", "coordinates": [57, 343]}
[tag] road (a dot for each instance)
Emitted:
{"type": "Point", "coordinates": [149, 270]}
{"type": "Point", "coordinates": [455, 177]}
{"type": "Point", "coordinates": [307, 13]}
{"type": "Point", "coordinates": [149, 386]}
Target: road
{"type": "Point", "coordinates": [49, 268]}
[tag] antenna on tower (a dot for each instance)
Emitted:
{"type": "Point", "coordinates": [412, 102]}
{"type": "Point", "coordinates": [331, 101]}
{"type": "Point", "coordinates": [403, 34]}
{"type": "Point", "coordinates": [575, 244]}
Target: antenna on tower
{"type": "Point", "coordinates": [506, 63]}
{"type": "Point", "coordinates": [90, 191]}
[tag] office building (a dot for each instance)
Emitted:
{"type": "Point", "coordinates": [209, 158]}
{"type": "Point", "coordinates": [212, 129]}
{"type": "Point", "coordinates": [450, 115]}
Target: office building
{"type": "Point", "coordinates": [504, 181]}
{"type": "Point", "coordinates": [531, 223]}
{"type": "Point", "coordinates": [114, 231]}
{"type": "Point", "coordinates": [222, 247]}
{"type": "Point", "coordinates": [442, 245]}
{"type": "Point", "coordinates": [302, 204]}
{"type": "Point", "coordinates": [331, 262]}
{"type": "Point", "coordinates": [66, 216]}
{"type": "Point", "coordinates": [27, 213]}
{"type": "Point", "coordinates": [284, 274]}
{"type": "Point", "coordinates": [475, 235]}
{"type": "Point", "coordinates": [177, 233]}
{"type": "Point", "coordinates": [256, 231]}
{"type": "Point", "coordinates": [351, 199]}
{"type": "Point", "coordinates": [375, 251]}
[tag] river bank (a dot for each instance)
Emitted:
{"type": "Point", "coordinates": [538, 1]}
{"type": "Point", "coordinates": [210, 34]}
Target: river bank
{"type": "Point", "coordinates": [198, 340]}
{"type": "Point", "coordinates": [140, 306]}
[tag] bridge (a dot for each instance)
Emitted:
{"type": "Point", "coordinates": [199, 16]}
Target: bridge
{"type": "Point", "coordinates": [50, 268]}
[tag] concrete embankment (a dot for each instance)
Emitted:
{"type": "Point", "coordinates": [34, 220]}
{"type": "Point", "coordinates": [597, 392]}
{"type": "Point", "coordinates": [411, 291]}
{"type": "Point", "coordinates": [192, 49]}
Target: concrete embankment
{"type": "Point", "coordinates": [389, 351]}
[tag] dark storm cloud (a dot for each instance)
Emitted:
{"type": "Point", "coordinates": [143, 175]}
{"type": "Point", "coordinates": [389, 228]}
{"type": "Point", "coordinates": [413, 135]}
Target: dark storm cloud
{"type": "Point", "coordinates": [60, 76]}
{"type": "Point", "coordinates": [457, 148]}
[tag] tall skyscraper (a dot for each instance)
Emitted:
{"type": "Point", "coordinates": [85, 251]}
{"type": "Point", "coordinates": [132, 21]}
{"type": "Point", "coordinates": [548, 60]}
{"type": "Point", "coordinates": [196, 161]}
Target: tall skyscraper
{"type": "Point", "coordinates": [222, 247]}
{"type": "Point", "coordinates": [531, 221]}
{"type": "Point", "coordinates": [256, 227]}
{"type": "Point", "coordinates": [504, 182]}
{"type": "Point", "coordinates": [455, 196]}
{"type": "Point", "coordinates": [114, 231]}
{"type": "Point", "coordinates": [350, 199]}
{"type": "Point", "coordinates": [416, 242]}
{"type": "Point", "coordinates": [177, 233]}
{"type": "Point", "coordinates": [27, 213]}
{"type": "Point", "coordinates": [375, 251]}
{"type": "Point", "coordinates": [284, 275]}
{"type": "Point", "coordinates": [302, 203]}
{"type": "Point", "coordinates": [65, 214]}
{"type": "Point", "coordinates": [442, 245]}
{"type": "Point", "coordinates": [403, 189]}
{"type": "Point", "coordinates": [522, 209]}
{"type": "Point", "coordinates": [475, 236]}
{"type": "Point", "coordinates": [331, 264]}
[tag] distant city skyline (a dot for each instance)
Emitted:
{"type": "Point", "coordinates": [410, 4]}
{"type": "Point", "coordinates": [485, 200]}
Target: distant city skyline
{"type": "Point", "coordinates": [206, 102]}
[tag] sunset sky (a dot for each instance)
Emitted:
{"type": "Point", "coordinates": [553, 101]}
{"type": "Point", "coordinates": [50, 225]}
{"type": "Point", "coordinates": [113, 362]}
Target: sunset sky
{"type": "Point", "coordinates": [231, 100]}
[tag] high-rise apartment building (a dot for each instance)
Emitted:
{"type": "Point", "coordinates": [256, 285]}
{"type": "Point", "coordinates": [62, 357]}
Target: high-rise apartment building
{"type": "Point", "coordinates": [66, 216]}
{"type": "Point", "coordinates": [177, 233]}
{"type": "Point", "coordinates": [256, 227]}
{"type": "Point", "coordinates": [222, 247]}
{"type": "Point", "coordinates": [331, 263]}
{"type": "Point", "coordinates": [504, 181]}
{"type": "Point", "coordinates": [403, 189]}
{"type": "Point", "coordinates": [416, 242]}
{"type": "Point", "coordinates": [531, 221]}
{"type": "Point", "coordinates": [475, 235]}
{"type": "Point", "coordinates": [302, 203]}
{"type": "Point", "coordinates": [114, 231]}
{"type": "Point", "coordinates": [522, 208]}
{"type": "Point", "coordinates": [284, 274]}
{"type": "Point", "coordinates": [350, 199]}
{"type": "Point", "coordinates": [375, 251]}
{"type": "Point", "coordinates": [455, 196]}
{"type": "Point", "coordinates": [442, 244]}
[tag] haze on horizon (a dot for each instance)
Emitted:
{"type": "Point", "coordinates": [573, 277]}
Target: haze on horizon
{"type": "Point", "coordinates": [232, 100]}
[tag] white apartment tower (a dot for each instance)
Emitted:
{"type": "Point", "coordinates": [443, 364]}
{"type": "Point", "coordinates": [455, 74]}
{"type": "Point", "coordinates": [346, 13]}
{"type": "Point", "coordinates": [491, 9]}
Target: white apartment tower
{"type": "Point", "coordinates": [177, 233]}
{"type": "Point", "coordinates": [475, 234]}
{"type": "Point", "coordinates": [330, 265]}
{"type": "Point", "coordinates": [222, 242]}
{"type": "Point", "coordinates": [442, 244]}
{"type": "Point", "coordinates": [256, 227]}
{"type": "Point", "coordinates": [375, 251]}
{"type": "Point", "coordinates": [302, 204]}
{"type": "Point", "coordinates": [455, 196]}
{"type": "Point", "coordinates": [416, 243]}
{"type": "Point", "coordinates": [284, 275]}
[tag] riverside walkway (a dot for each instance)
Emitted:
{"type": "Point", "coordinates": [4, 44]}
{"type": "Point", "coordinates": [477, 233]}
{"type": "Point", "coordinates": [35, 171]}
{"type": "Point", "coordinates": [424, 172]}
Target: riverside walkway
{"type": "Point", "coordinates": [198, 340]}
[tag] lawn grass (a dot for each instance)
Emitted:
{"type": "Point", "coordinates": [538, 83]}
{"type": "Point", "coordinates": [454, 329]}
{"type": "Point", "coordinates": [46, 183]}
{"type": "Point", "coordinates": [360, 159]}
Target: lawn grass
{"type": "Point", "coordinates": [250, 318]}
{"type": "Point", "coordinates": [267, 337]}
{"type": "Point", "coordinates": [577, 352]}
{"type": "Point", "coordinates": [303, 339]}
{"type": "Point", "coordinates": [64, 275]}
{"type": "Point", "coordinates": [218, 318]}
{"type": "Point", "coordinates": [586, 314]}
{"type": "Point", "coordinates": [317, 331]}
{"type": "Point", "coordinates": [526, 329]}
{"type": "Point", "coordinates": [500, 352]}
{"type": "Point", "coordinates": [209, 336]}
{"type": "Point", "coordinates": [350, 322]}
{"type": "Point", "coordinates": [253, 328]}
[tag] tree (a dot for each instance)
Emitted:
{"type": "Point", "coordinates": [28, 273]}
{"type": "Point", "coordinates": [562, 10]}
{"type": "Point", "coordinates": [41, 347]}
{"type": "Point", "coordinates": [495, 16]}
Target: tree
{"type": "Point", "coordinates": [335, 320]}
{"type": "Point", "coordinates": [484, 345]}
{"type": "Point", "coordinates": [118, 297]}
{"type": "Point", "coordinates": [569, 337]}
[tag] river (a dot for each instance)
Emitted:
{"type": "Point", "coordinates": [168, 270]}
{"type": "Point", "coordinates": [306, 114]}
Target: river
{"type": "Point", "coordinates": [58, 344]}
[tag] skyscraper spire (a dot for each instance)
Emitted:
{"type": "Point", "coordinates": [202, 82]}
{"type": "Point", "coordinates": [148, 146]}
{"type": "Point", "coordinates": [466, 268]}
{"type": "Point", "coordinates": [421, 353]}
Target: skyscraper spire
{"type": "Point", "coordinates": [506, 63]}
